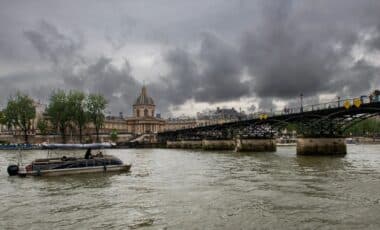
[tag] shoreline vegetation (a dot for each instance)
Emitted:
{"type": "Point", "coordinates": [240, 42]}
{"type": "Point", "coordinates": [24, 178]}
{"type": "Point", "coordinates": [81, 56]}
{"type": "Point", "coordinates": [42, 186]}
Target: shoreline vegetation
{"type": "Point", "coordinates": [66, 111]}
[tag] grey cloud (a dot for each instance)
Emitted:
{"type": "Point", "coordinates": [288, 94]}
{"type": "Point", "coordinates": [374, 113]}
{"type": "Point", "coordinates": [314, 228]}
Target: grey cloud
{"type": "Point", "coordinates": [70, 70]}
{"type": "Point", "coordinates": [53, 45]}
{"type": "Point", "coordinates": [287, 47]}
{"type": "Point", "coordinates": [266, 104]}
{"type": "Point", "coordinates": [211, 75]}
{"type": "Point", "coordinates": [302, 47]}
{"type": "Point", "coordinates": [221, 76]}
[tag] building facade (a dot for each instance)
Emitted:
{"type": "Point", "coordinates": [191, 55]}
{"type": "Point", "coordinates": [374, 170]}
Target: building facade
{"type": "Point", "coordinates": [180, 123]}
{"type": "Point", "coordinates": [144, 119]}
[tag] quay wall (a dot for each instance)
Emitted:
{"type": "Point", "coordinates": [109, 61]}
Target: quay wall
{"type": "Point", "coordinates": [256, 145]}
{"type": "Point", "coordinates": [321, 146]}
{"type": "Point", "coordinates": [218, 144]}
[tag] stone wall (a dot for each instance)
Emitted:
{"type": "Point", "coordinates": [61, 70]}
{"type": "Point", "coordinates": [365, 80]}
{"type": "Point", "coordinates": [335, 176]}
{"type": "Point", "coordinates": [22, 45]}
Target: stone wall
{"type": "Point", "coordinates": [256, 145]}
{"type": "Point", "coordinates": [191, 144]}
{"type": "Point", "coordinates": [218, 144]}
{"type": "Point", "coordinates": [321, 146]}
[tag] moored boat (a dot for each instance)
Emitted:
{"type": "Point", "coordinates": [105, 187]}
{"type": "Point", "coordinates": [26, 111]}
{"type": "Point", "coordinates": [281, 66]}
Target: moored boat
{"type": "Point", "coordinates": [286, 141]}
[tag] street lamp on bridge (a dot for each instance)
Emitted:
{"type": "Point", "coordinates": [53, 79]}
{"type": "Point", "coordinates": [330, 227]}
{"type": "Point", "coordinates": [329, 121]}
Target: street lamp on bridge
{"type": "Point", "coordinates": [301, 96]}
{"type": "Point", "coordinates": [338, 101]}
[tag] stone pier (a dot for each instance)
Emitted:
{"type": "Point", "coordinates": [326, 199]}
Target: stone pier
{"type": "Point", "coordinates": [173, 144]}
{"type": "Point", "coordinates": [321, 146]}
{"type": "Point", "coordinates": [218, 144]}
{"type": "Point", "coordinates": [255, 145]}
{"type": "Point", "coordinates": [191, 144]}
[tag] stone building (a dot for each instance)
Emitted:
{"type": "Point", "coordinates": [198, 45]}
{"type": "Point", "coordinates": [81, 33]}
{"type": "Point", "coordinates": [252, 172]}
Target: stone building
{"type": "Point", "coordinates": [180, 123]}
{"type": "Point", "coordinates": [144, 119]}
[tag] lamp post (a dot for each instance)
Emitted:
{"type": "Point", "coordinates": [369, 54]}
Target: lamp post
{"type": "Point", "coordinates": [301, 96]}
{"type": "Point", "coordinates": [338, 101]}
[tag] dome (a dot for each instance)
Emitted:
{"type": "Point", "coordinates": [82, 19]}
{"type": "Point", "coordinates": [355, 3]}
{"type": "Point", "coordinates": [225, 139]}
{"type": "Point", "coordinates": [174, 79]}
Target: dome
{"type": "Point", "coordinates": [144, 99]}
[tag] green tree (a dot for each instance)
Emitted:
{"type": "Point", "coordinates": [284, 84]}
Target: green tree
{"type": "Point", "coordinates": [20, 112]}
{"type": "Point", "coordinates": [58, 112]}
{"type": "Point", "coordinates": [78, 113]}
{"type": "Point", "coordinates": [96, 104]}
{"type": "Point", "coordinates": [113, 135]}
{"type": "Point", "coordinates": [3, 121]}
{"type": "Point", "coordinates": [42, 126]}
{"type": "Point", "coordinates": [366, 127]}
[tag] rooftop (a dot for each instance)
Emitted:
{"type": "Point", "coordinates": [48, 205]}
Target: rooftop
{"type": "Point", "coordinates": [144, 99]}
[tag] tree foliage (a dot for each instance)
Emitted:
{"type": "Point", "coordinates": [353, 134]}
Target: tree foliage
{"type": "Point", "coordinates": [2, 118]}
{"type": "Point", "coordinates": [77, 106]}
{"type": "Point", "coordinates": [43, 126]}
{"type": "Point", "coordinates": [59, 112]}
{"type": "Point", "coordinates": [20, 112]}
{"type": "Point", "coordinates": [65, 111]}
{"type": "Point", "coordinates": [113, 135]}
{"type": "Point", "coordinates": [367, 127]}
{"type": "Point", "coordinates": [96, 104]}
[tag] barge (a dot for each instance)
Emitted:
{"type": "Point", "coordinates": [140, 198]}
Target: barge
{"type": "Point", "coordinates": [70, 165]}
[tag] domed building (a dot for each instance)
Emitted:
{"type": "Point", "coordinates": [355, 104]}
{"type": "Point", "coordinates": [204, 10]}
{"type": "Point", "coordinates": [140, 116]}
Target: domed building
{"type": "Point", "coordinates": [144, 119]}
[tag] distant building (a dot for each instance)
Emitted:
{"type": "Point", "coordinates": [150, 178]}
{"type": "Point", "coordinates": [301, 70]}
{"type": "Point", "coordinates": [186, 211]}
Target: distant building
{"type": "Point", "coordinates": [219, 116]}
{"type": "Point", "coordinates": [180, 123]}
{"type": "Point", "coordinates": [144, 120]}
{"type": "Point", "coordinates": [40, 110]}
{"type": "Point", "coordinates": [112, 123]}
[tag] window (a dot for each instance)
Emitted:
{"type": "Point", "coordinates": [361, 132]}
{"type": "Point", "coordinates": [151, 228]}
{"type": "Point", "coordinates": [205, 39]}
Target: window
{"type": "Point", "coordinates": [146, 113]}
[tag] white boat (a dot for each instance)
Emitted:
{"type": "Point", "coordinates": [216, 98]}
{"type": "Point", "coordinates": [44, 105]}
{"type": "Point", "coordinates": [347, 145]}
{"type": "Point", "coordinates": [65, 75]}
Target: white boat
{"type": "Point", "coordinates": [286, 141]}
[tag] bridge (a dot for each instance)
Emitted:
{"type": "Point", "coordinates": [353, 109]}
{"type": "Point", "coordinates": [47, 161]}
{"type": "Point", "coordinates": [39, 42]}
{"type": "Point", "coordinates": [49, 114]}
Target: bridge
{"type": "Point", "coordinates": [321, 128]}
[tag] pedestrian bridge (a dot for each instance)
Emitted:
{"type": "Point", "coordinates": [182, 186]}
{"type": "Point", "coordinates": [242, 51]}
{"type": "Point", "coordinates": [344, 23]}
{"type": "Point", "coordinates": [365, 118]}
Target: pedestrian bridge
{"type": "Point", "coordinates": [321, 128]}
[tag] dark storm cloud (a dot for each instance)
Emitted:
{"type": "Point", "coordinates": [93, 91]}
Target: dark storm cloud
{"type": "Point", "coordinates": [53, 45]}
{"type": "Point", "coordinates": [226, 50]}
{"type": "Point", "coordinates": [221, 75]}
{"type": "Point", "coordinates": [373, 43]}
{"type": "Point", "coordinates": [212, 74]}
{"type": "Point", "coordinates": [304, 48]}
{"type": "Point", "coordinates": [71, 70]}
{"type": "Point", "coordinates": [115, 83]}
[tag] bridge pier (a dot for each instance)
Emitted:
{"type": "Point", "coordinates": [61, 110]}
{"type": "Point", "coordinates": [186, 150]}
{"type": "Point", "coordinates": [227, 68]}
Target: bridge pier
{"type": "Point", "coordinates": [227, 144]}
{"type": "Point", "coordinates": [191, 144]}
{"type": "Point", "coordinates": [321, 146]}
{"type": "Point", "coordinates": [173, 144]}
{"type": "Point", "coordinates": [255, 145]}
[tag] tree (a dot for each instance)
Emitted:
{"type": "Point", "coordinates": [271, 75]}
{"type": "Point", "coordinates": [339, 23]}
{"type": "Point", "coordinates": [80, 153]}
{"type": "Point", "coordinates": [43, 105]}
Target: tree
{"type": "Point", "coordinates": [113, 135]}
{"type": "Point", "coordinates": [96, 104]}
{"type": "Point", "coordinates": [58, 112]}
{"type": "Point", "coordinates": [20, 112]}
{"type": "Point", "coordinates": [42, 126]}
{"type": "Point", "coordinates": [366, 127]}
{"type": "Point", "coordinates": [2, 118]}
{"type": "Point", "coordinates": [78, 113]}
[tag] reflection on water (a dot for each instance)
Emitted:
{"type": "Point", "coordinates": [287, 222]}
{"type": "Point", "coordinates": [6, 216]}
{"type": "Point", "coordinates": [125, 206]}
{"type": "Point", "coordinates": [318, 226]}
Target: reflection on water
{"type": "Point", "coordinates": [185, 189]}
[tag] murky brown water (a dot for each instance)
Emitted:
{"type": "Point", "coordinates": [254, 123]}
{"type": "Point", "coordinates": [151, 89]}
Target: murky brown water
{"type": "Point", "coordinates": [183, 189]}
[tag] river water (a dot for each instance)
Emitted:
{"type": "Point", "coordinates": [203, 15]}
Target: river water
{"type": "Point", "coordinates": [190, 189]}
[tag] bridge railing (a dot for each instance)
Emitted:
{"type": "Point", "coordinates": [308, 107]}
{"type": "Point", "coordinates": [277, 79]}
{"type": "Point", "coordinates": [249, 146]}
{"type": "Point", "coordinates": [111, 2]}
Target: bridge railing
{"type": "Point", "coordinates": [315, 107]}
{"type": "Point", "coordinates": [307, 108]}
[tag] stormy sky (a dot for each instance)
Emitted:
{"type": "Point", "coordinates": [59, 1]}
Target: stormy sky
{"type": "Point", "coordinates": [192, 55]}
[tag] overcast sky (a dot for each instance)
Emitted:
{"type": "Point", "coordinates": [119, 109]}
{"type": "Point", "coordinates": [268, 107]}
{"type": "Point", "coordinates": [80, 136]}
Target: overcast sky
{"type": "Point", "coordinates": [192, 55]}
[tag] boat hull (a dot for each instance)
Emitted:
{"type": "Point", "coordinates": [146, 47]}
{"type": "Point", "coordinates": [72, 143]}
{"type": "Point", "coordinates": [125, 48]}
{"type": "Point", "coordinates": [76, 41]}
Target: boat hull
{"type": "Point", "coordinates": [286, 144]}
{"type": "Point", "coordinates": [72, 171]}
